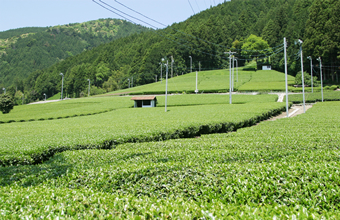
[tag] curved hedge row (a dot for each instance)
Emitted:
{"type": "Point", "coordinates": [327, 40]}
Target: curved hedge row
{"type": "Point", "coordinates": [54, 118]}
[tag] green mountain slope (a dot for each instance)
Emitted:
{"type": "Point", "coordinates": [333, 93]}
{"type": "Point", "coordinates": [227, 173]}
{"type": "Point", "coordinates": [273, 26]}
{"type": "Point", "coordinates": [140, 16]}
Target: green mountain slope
{"type": "Point", "coordinates": [20, 31]}
{"type": "Point", "coordinates": [26, 50]}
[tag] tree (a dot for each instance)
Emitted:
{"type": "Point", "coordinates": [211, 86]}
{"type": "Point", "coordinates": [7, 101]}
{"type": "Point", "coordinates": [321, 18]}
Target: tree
{"type": "Point", "coordinates": [270, 33]}
{"type": "Point", "coordinates": [255, 46]}
{"type": "Point", "coordinates": [6, 103]}
{"type": "Point", "coordinates": [322, 36]}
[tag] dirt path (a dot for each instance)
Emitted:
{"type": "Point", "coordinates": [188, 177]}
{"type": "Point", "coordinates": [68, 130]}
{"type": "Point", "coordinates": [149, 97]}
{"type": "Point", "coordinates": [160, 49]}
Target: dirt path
{"type": "Point", "coordinates": [293, 111]}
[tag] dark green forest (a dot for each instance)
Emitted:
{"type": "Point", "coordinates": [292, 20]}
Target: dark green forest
{"type": "Point", "coordinates": [20, 31]}
{"type": "Point", "coordinates": [26, 50]}
{"type": "Point", "coordinates": [205, 37]}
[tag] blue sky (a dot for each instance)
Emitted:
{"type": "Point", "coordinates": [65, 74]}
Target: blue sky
{"type": "Point", "coordinates": [43, 13]}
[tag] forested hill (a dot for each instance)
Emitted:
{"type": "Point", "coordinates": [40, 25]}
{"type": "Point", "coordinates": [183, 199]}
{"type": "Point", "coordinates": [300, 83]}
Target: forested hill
{"type": "Point", "coordinates": [205, 37]}
{"type": "Point", "coordinates": [20, 31]}
{"type": "Point", "coordinates": [25, 50]}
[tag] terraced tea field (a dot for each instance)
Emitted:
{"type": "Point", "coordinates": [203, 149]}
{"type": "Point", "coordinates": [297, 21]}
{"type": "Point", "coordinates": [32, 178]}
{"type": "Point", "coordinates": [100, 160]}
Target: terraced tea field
{"type": "Point", "coordinates": [267, 80]}
{"type": "Point", "coordinates": [32, 142]}
{"type": "Point", "coordinates": [216, 81]}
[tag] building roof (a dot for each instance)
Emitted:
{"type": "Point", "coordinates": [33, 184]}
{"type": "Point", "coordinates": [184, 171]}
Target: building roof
{"type": "Point", "coordinates": [139, 98]}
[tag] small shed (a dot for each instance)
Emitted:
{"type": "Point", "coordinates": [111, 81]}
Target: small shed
{"type": "Point", "coordinates": [145, 101]}
{"type": "Point", "coordinates": [267, 67]}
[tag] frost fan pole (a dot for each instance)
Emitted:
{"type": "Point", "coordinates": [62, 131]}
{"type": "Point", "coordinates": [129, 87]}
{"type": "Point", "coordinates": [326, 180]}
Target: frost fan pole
{"type": "Point", "coordinates": [286, 74]}
{"type": "Point", "coordinates": [300, 42]}
{"type": "Point", "coordinates": [166, 85]}
{"type": "Point", "coordinates": [319, 59]}
{"type": "Point", "coordinates": [230, 80]}
{"type": "Point", "coordinates": [196, 91]}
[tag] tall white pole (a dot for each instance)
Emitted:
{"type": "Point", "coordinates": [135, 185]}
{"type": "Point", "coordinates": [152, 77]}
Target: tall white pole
{"type": "Point", "coordinates": [166, 86]}
{"type": "Point", "coordinates": [62, 85]}
{"type": "Point", "coordinates": [172, 66]}
{"type": "Point", "coordinates": [232, 85]}
{"type": "Point", "coordinates": [311, 72]}
{"type": "Point", "coordinates": [88, 91]}
{"type": "Point", "coordinates": [161, 72]}
{"type": "Point", "coordinates": [319, 59]}
{"type": "Point", "coordinates": [196, 91]}
{"type": "Point", "coordinates": [303, 81]}
{"type": "Point", "coordinates": [286, 74]}
{"type": "Point", "coordinates": [230, 99]}
{"type": "Point", "coordinates": [236, 69]}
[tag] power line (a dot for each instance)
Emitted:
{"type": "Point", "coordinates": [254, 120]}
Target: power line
{"type": "Point", "coordinates": [191, 7]}
{"type": "Point", "coordinates": [155, 30]}
{"type": "Point", "coordinates": [222, 57]}
{"type": "Point", "coordinates": [197, 6]}
{"type": "Point", "coordinates": [224, 47]}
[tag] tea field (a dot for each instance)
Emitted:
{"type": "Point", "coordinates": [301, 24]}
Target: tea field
{"type": "Point", "coordinates": [315, 97]}
{"type": "Point", "coordinates": [33, 142]}
{"type": "Point", "coordinates": [267, 80]}
{"type": "Point", "coordinates": [65, 109]}
{"type": "Point", "coordinates": [216, 81]}
{"type": "Point", "coordinates": [283, 169]}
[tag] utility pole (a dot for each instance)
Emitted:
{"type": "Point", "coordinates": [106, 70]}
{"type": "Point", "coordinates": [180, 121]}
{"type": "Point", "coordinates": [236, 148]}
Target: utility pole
{"type": "Point", "coordinates": [166, 85]}
{"type": "Point", "coordinates": [286, 74]}
{"type": "Point", "coordinates": [172, 66]}
{"type": "Point", "coordinates": [190, 64]}
{"type": "Point", "coordinates": [196, 91]}
{"type": "Point", "coordinates": [311, 71]}
{"type": "Point", "coordinates": [230, 83]}
{"type": "Point", "coordinates": [88, 91]}
{"type": "Point", "coordinates": [236, 69]}
{"type": "Point", "coordinates": [300, 42]}
{"type": "Point", "coordinates": [161, 71]}
{"type": "Point", "coordinates": [319, 59]}
{"type": "Point", "coordinates": [62, 85]}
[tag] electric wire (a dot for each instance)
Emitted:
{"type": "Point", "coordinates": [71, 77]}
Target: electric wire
{"type": "Point", "coordinates": [222, 57]}
{"type": "Point", "coordinates": [158, 33]}
{"type": "Point", "coordinates": [191, 7]}
{"type": "Point", "coordinates": [197, 6]}
{"type": "Point", "coordinates": [156, 28]}
{"type": "Point", "coordinates": [225, 47]}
